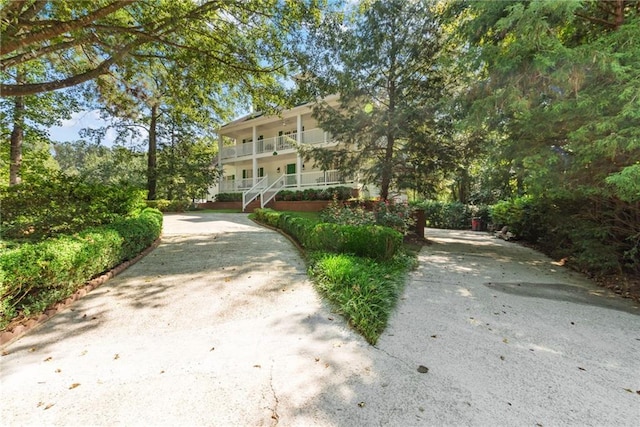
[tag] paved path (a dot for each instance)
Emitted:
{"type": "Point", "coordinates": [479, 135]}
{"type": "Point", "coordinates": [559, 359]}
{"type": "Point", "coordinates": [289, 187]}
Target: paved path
{"type": "Point", "coordinates": [219, 326]}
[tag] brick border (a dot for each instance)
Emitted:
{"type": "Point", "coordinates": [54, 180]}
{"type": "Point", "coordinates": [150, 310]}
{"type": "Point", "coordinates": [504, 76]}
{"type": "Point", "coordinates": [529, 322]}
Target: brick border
{"type": "Point", "coordinates": [22, 326]}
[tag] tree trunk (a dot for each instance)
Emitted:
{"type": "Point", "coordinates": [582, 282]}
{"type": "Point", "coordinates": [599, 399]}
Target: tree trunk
{"type": "Point", "coordinates": [17, 136]}
{"type": "Point", "coordinates": [151, 161]}
{"type": "Point", "coordinates": [387, 166]}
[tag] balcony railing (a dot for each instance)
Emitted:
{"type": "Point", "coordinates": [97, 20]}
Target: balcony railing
{"type": "Point", "coordinates": [316, 179]}
{"type": "Point", "coordinates": [275, 144]}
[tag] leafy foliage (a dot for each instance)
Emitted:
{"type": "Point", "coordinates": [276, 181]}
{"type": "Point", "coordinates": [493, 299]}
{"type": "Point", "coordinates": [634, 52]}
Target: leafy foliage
{"type": "Point", "coordinates": [164, 205]}
{"type": "Point", "coordinates": [596, 237]}
{"type": "Point", "coordinates": [383, 63]}
{"type": "Point", "coordinates": [35, 275]}
{"type": "Point", "coordinates": [371, 241]}
{"type": "Point", "coordinates": [61, 204]}
{"type": "Point", "coordinates": [452, 215]}
{"type": "Point", "coordinates": [397, 216]}
{"type": "Point", "coordinates": [229, 197]}
{"type": "Point", "coordinates": [339, 193]}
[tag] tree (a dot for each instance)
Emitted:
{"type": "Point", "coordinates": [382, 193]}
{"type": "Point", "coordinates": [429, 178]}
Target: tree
{"type": "Point", "coordinates": [214, 50]}
{"type": "Point", "coordinates": [559, 81]}
{"type": "Point", "coordinates": [25, 121]}
{"type": "Point", "coordinates": [100, 164]}
{"type": "Point", "coordinates": [386, 71]}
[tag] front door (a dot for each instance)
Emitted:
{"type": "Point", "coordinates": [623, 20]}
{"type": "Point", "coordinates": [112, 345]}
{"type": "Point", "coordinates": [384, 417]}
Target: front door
{"type": "Point", "coordinates": [291, 175]}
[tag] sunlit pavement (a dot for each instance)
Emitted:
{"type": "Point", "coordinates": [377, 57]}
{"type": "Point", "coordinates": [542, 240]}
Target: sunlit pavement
{"type": "Point", "coordinates": [220, 326]}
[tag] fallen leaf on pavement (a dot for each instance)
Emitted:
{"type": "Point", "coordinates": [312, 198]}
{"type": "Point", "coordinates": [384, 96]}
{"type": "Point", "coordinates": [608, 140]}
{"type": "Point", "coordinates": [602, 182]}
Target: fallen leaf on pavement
{"type": "Point", "coordinates": [74, 385]}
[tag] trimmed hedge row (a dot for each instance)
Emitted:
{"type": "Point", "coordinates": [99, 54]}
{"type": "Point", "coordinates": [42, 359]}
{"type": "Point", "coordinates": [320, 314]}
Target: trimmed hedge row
{"type": "Point", "coordinates": [228, 197]}
{"type": "Point", "coordinates": [35, 275]}
{"type": "Point", "coordinates": [371, 241]}
{"type": "Point", "coordinates": [330, 193]}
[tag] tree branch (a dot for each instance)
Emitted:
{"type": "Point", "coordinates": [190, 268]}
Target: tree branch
{"type": "Point", "coordinates": [31, 89]}
{"type": "Point", "coordinates": [595, 20]}
{"type": "Point", "coordinates": [36, 37]}
{"type": "Point", "coordinates": [31, 55]}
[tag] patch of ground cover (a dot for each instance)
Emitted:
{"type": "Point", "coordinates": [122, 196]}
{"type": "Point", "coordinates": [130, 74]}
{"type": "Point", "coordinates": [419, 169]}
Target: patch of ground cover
{"type": "Point", "coordinates": [363, 290]}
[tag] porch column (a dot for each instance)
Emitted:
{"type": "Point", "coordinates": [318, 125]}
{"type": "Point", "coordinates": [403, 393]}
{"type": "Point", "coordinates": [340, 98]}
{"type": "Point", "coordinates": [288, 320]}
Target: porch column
{"type": "Point", "coordinates": [255, 160]}
{"type": "Point", "coordinates": [298, 157]}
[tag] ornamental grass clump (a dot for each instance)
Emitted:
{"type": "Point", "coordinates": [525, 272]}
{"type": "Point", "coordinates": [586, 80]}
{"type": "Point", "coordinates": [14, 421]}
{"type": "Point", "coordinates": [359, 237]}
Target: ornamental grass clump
{"type": "Point", "coordinates": [363, 290]}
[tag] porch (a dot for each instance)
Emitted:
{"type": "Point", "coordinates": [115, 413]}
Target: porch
{"type": "Point", "coordinates": [314, 179]}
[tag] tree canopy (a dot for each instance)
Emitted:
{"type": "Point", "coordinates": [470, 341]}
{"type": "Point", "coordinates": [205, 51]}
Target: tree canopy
{"type": "Point", "coordinates": [79, 40]}
{"type": "Point", "coordinates": [383, 61]}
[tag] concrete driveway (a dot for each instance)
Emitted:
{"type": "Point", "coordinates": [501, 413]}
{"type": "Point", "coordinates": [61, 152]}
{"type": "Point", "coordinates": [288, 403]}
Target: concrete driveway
{"type": "Point", "coordinates": [219, 326]}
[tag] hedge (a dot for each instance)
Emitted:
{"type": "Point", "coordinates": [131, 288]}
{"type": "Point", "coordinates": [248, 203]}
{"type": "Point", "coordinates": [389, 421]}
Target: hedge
{"type": "Point", "coordinates": [228, 197]}
{"type": "Point", "coordinates": [371, 241]}
{"type": "Point", "coordinates": [35, 275]}
{"type": "Point", "coordinates": [339, 193]}
{"type": "Point", "coordinates": [62, 205]}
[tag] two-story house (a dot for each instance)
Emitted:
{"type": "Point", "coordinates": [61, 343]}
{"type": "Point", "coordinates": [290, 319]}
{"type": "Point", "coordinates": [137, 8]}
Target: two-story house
{"type": "Point", "coordinates": [259, 157]}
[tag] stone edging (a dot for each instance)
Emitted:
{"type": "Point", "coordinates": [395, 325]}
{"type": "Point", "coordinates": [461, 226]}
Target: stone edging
{"type": "Point", "coordinates": [25, 325]}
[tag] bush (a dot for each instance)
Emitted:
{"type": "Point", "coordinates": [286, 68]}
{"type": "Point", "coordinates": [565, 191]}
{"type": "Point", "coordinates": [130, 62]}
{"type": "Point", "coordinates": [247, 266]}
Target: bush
{"type": "Point", "coordinates": [35, 275]}
{"type": "Point", "coordinates": [526, 217]}
{"type": "Point", "coordinates": [370, 241]}
{"type": "Point", "coordinates": [338, 193]}
{"type": "Point", "coordinates": [388, 214]}
{"type": "Point", "coordinates": [228, 197]}
{"type": "Point", "coordinates": [452, 215]}
{"type": "Point", "coordinates": [63, 205]}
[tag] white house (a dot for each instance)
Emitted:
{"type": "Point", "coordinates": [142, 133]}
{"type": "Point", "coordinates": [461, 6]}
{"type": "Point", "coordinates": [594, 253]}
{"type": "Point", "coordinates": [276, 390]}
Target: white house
{"type": "Point", "coordinates": [258, 155]}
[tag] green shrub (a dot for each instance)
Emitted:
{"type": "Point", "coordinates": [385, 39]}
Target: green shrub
{"type": "Point", "coordinates": [228, 197]}
{"type": "Point", "coordinates": [338, 193]}
{"type": "Point", "coordinates": [63, 205]}
{"type": "Point", "coordinates": [35, 275]}
{"type": "Point", "coordinates": [526, 217]}
{"type": "Point", "coordinates": [160, 204]}
{"type": "Point", "coordinates": [371, 241]}
{"type": "Point", "coordinates": [393, 215]}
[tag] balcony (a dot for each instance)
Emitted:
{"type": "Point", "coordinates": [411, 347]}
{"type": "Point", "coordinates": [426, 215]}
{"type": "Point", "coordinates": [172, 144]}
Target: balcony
{"type": "Point", "coordinates": [279, 144]}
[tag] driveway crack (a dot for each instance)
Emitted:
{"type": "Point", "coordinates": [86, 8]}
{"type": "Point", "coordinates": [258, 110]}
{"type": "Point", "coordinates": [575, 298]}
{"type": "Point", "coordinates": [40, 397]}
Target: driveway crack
{"type": "Point", "coordinates": [274, 411]}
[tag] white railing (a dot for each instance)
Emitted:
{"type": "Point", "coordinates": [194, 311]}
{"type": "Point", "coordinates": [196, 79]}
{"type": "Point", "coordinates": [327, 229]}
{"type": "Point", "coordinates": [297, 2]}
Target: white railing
{"type": "Point", "coordinates": [271, 191]}
{"type": "Point", "coordinates": [316, 179]}
{"type": "Point", "coordinates": [275, 144]}
{"type": "Point", "coordinates": [244, 149]}
{"type": "Point", "coordinates": [255, 191]}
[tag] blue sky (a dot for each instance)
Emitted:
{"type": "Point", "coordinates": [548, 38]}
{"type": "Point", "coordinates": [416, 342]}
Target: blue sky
{"type": "Point", "coordinates": [84, 119]}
